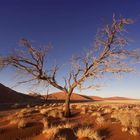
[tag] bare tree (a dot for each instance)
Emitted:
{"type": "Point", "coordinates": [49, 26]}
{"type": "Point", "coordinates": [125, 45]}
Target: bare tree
{"type": "Point", "coordinates": [47, 95]}
{"type": "Point", "coordinates": [107, 55]}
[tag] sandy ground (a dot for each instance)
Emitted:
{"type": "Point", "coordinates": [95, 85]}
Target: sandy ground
{"type": "Point", "coordinates": [109, 129]}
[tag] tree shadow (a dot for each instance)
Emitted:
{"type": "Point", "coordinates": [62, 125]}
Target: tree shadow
{"type": "Point", "coordinates": [68, 133]}
{"type": "Point", "coordinates": [74, 114]}
{"type": "Point", "coordinates": [104, 132]}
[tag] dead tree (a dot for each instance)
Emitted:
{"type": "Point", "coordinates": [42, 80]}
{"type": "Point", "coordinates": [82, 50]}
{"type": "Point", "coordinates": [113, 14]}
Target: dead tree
{"type": "Point", "coordinates": [45, 97]}
{"type": "Point", "coordinates": [109, 54]}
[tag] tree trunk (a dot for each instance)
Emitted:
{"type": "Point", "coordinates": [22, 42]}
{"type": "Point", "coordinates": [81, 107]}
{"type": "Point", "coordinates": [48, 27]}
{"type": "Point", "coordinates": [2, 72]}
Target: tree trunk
{"type": "Point", "coordinates": [67, 106]}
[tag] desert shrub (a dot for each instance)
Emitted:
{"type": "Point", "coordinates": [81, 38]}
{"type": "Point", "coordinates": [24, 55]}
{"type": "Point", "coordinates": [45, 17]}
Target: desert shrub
{"type": "Point", "coordinates": [84, 110]}
{"type": "Point", "coordinates": [55, 113]}
{"type": "Point", "coordinates": [73, 106]}
{"type": "Point", "coordinates": [26, 112]}
{"type": "Point", "coordinates": [114, 115]}
{"type": "Point", "coordinates": [89, 111]}
{"type": "Point", "coordinates": [78, 106]}
{"type": "Point", "coordinates": [22, 123]}
{"type": "Point", "coordinates": [115, 107]}
{"type": "Point", "coordinates": [100, 109]}
{"type": "Point", "coordinates": [46, 123]}
{"type": "Point", "coordinates": [88, 133]}
{"type": "Point", "coordinates": [124, 129]}
{"type": "Point", "coordinates": [125, 120]}
{"type": "Point", "coordinates": [53, 105]}
{"type": "Point", "coordinates": [21, 115]}
{"type": "Point", "coordinates": [44, 105]}
{"type": "Point", "coordinates": [36, 107]}
{"type": "Point", "coordinates": [135, 121]}
{"type": "Point", "coordinates": [67, 125]}
{"type": "Point", "coordinates": [51, 132]}
{"type": "Point", "coordinates": [60, 107]}
{"type": "Point", "coordinates": [134, 131]}
{"type": "Point", "coordinates": [14, 121]}
{"type": "Point", "coordinates": [107, 110]}
{"type": "Point", "coordinates": [40, 107]}
{"type": "Point", "coordinates": [130, 121]}
{"type": "Point", "coordinates": [23, 110]}
{"type": "Point", "coordinates": [100, 120]}
{"type": "Point", "coordinates": [97, 114]}
{"type": "Point", "coordinates": [90, 107]}
{"type": "Point", "coordinates": [43, 111]}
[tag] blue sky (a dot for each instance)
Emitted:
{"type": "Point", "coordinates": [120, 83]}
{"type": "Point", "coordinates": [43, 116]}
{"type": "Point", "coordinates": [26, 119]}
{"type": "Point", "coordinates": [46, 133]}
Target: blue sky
{"type": "Point", "coordinates": [70, 25]}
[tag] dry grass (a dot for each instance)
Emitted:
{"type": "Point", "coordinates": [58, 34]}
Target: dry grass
{"type": "Point", "coordinates": [134, 131]}
{"type": "Point", "coordinates": [26, 112]}
{"type": "Point", "coordinates": [51, 132]}
{"type": "Point", "coordinates": [88, 133]}
{"type": "Point", "coordinates": [46, 123]}
{"type": "Point", "coordinates": [56, 114]}
{"type": "Point", "coordinates": [136, 121]}
{"type": "Point", "coordinates": [100, 120]}
{"type": "Point", "coordinates": [84, 110]}
{"type": "Point", "coordinates": [97, 114]}
{"type": "Point", "coordinates": [14, 121]}
{"type": "Point", "coordinates": [129, 119]}
{"type": "Point", "coordinates": [22, 123]}
{"type": "Point", "coordinates": [107, 110]}
{"type": "Point", "coordinates": [67, 125]}
{"type": "Point", "coordinates": [124, 129]}
{"type": "Point", "coordinates": [43, 111]}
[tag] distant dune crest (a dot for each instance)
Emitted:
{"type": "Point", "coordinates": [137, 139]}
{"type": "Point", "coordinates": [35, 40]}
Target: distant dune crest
{"type": "Point", "coordinates": [8, 95]}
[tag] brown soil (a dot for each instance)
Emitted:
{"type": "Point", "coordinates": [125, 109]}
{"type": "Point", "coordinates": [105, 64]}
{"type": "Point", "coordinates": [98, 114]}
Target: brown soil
{"type": "Point", "coordinates": [33, 131]}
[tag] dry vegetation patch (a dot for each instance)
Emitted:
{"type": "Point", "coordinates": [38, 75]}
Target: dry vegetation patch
{"type": "Point", "coordinates": [22, 123]}
{"type": "Point", "coordinates": [51, 132]}
{"type": "Point", "coordinates": [88, 133]}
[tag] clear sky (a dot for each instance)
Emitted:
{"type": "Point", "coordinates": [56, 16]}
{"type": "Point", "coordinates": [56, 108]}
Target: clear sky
{"type": "Point", "coordinates": [70, 25]}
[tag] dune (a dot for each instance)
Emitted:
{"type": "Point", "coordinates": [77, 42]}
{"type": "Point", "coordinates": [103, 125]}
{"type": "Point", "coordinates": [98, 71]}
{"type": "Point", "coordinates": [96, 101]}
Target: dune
{"type": "Point", "coordinates": [62, 96]}
{"type": "Point", "coordinates": [118, 98]}
{"type": "Point", "coordinates": [8, 96]}
{"type": "Point", "coordinates": [77, 96]}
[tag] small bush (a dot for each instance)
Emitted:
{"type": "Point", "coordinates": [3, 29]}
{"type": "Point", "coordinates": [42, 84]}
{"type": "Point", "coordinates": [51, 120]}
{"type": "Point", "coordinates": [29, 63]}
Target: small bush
{"type": "Point", "coordinates": [44, 111]}
{"type": "Point", "coordinates": [51, 132]}
{"type": "Point", "coordinates": [46, 123]}
{"type": "Point", "coordinates": [84, 110]}
{"type": "Point", "coordinates": [124, 129]}
{"type": "Point", "coordinates": [97, 114]}
{"type": "Point", "coordinates": [125, 120]}
{"type": "Point", "coordinates": [107, 110]}
{"type": "Point", "coordinates": [136, 121]}
{"type": "Point", "coordinates": [14, 121]}
{"type": "Point", "coordinates": [100, 120]}
{"type": "Point", "coordinates": [22, 123]}
{"type": "Point", "coordinates": [55, 114]}
{"type": "Point", "coordinates": [134, 131]}
{"type": "Point", "coordinates": [88, 133]}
